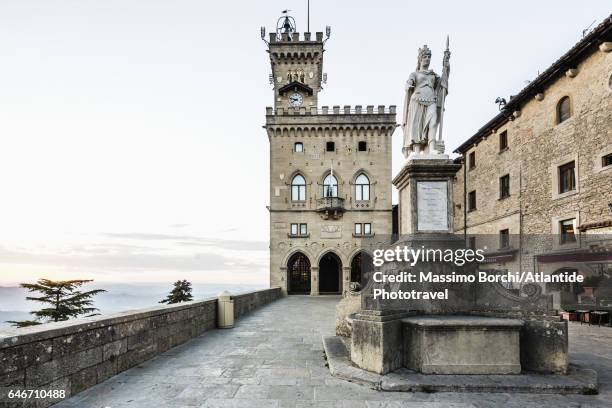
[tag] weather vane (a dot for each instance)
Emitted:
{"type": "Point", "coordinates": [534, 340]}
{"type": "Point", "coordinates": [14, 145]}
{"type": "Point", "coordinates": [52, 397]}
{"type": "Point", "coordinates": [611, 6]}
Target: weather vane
{"type": "Point", "coordinates": [285, 24]}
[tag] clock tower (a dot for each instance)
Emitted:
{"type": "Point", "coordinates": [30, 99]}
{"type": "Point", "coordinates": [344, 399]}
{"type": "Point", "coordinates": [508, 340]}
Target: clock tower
{"type": "Point", "coordinates": [330, 172]}
{"type": "Point", "coordinates": [297, 65]}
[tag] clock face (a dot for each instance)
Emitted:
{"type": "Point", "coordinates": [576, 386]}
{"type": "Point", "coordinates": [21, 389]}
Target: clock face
{"type": "Point", "coordinates": [295, 99]}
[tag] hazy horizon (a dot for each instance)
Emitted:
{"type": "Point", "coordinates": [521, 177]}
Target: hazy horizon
{"type": "Point", "coordinates": [132, 147]}
{"type": "Point", "coordinates": [119, 297]}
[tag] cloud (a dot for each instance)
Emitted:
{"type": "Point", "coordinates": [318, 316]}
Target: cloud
{"type": "Point", "coordinates": [192, 240]}
{"type": "Point", "coordinates": [125, 259]}
{"type": "Point", "coordinates": [178, 225]}
{"type": "Point", "coordinates": [142, 257]}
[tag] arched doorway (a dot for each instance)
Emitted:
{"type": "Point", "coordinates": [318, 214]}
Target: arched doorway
{"type": "Point", "coordinates": [298, 274]}
{"type": "Point", "coordinates": [361, 266]}
{"type": "Point", "coordinates": [330, 268]}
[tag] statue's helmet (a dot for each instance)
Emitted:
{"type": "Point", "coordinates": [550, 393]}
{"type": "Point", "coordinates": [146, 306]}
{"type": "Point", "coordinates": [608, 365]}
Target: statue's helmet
{"type": "Point", "coordinates": [422, 52]}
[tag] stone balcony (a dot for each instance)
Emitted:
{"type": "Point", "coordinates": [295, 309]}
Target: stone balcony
{"type": "Point", "coordinates": [330, 207]}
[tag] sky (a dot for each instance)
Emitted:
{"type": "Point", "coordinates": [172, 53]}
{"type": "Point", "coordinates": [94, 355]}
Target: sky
{"type": "Point", "coordinates": [131, 140]}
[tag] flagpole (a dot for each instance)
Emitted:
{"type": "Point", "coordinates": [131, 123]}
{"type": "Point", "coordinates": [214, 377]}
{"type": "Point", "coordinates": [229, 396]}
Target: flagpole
{"type": "Point", "coordinates": [332, 178]}
{"type": "Point", "coordinates": [308, 17]}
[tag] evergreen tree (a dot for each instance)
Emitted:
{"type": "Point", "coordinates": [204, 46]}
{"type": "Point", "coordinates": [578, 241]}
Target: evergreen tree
{"type": "Point", "coordinates": [63, 298]}
{"type": "Point", "coordinates": [180, 293]}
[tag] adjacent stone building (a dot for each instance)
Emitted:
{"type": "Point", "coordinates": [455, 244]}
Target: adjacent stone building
{"type": "Point", "coordinates": [543, 166]}
{"type": "Point", "coordinates": [330, 173]}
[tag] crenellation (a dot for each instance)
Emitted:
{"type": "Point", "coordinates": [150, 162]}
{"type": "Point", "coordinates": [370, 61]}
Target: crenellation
{"type": "Point", "coordinates": [295, 38]}
{"type": "Point", "coordinates": [336, 110]}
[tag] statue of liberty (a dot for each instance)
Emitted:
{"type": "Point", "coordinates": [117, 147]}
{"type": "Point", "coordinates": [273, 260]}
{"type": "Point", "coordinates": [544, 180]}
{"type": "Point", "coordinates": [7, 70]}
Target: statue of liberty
{"type": "Point", "coordinates": [424, 106]}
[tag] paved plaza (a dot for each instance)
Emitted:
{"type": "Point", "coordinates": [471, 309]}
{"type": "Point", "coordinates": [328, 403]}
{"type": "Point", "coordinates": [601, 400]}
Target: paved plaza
{"type": "Point", "coordinates": [274, 358]}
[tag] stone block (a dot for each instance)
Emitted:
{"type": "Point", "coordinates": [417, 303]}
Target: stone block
{"type": "Point", "coordinates": [49, 371]}
{"type": "Point", "coordinates": [113, 349]}
{"type": "Point", "coordinates": [131, 328]}
{"type": "Point", "coordinates": [376, 342]}
{"type": "Point", "coordinates": [83, 379]}
{"type": "Point", "coordinates": [106, 370]}
{"type": "Point", "coordinates": [135, 357]}
{"type": "Point", "coordinates": [140, 341]}
{"type": "Point", "coordinates": [20, 357]}
{"type": "Point", "coordinates": [544, 346]}
{"type": "Point", "coordinates": [163, 344]}
{"type": "Point", "coordinates": [81, 341]}
{"type": "Point", "coordinates": [157, 322]}
{"type": "Point", "coordinates": [462, 345]}
{"type": "Point", "coordinates": [60, 384]}
{"type": "Point", "coordinates": [15, 378]}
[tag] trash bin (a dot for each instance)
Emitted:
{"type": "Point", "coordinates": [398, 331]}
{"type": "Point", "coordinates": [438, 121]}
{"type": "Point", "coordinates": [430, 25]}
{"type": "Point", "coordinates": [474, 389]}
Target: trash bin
{"type": "Point", "coordinates": [225, 310]}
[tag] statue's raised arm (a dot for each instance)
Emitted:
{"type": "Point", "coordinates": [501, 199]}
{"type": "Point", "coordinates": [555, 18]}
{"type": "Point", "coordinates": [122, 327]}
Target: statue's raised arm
{"type": "Point", "coordinates": [424, 106]}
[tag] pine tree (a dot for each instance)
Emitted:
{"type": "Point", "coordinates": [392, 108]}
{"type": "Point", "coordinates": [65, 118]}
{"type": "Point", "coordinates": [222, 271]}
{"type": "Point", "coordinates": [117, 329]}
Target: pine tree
{"type": "Point", "coordinates": [63, 298]}
{"type": "Point", "coordinates": [180, 293]}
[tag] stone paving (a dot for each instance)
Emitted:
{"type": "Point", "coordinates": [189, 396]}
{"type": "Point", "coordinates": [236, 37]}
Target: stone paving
{"type": "Point", "coordinates": [274, 358]}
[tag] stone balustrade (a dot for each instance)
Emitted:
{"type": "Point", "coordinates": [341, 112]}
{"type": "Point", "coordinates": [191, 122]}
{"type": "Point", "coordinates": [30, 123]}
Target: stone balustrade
{"type": "Point", "coordinates": [76, 354]}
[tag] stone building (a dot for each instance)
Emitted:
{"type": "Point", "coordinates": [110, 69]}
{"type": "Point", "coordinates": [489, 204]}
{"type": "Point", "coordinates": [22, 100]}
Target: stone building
{"type": "Point", "coordinates": [330, 173]}
{"type": "Point", "coordinates": [543, 165]}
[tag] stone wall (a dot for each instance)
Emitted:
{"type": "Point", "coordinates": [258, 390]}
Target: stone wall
{"type": "Point", "coordinates": [246, 302]}
{"type": "Point", "coordinates": [77, 354]}
{"type": "Point", "coordinates": [314, 163]}
{"type": "Point", "coordinates": [537, 146]}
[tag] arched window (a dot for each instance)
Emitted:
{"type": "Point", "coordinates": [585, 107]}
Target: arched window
{"type": "Point", "coordinates": [298, 188]}
{"type": "Point", "coordinates": [330, 186]}
{"type": "Point", "coordinates": [362, 188]}
{"type": "Point", "coordinates": [298, 147]}
{"type": "Point", "coordinates": [563, 109]}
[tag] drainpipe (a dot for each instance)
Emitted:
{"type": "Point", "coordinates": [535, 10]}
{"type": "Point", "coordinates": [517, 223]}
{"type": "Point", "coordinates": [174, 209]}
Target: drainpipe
{"type": "Point", "coordinates": [520, 197]}
{"type": "Point", "coordinates": [464, 199]}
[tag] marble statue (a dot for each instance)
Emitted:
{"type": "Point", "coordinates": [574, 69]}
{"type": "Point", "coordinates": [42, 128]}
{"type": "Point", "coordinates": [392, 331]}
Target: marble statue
{"type": "Point", "coordinates": [424, 106]}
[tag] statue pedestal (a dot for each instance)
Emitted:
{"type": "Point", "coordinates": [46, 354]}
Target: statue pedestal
{"type": "Point", "coordinates": [462, 345]}
{"type": "Point", "coordinates": [376, 340]}
{"type": "Point", "coordinates": [425, 194]}
{"type": "Point", "coordinates": [475, 328]}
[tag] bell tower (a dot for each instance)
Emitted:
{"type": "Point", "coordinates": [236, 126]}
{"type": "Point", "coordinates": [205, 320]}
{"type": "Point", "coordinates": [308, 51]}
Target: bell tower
{"type": "Point", "coordinates": [297, 64]}
{"type": "Point", "coordinates": [330, 171]}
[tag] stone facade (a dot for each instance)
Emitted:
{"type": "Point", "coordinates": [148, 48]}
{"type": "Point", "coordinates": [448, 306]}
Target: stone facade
{"type": "Point", "coordinates": [314, 143]}
{"type": "Point", "coordinates": [538, 143]}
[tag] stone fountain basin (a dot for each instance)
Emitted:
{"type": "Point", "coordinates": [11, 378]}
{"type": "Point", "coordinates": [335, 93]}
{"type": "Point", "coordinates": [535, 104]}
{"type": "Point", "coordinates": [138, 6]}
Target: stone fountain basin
{"type": "Point", "coordinates": [435, 344]}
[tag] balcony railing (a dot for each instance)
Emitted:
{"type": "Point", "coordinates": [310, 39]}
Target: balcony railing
{"type": "Point", "coordinates": [330, 204]}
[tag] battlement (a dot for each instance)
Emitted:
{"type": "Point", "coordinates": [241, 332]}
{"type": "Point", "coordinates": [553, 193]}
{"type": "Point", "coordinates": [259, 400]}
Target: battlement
{"type": "Point", "coordinates": [293, 38]}
{"type": "Point", "coordinates": [335, 110]}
